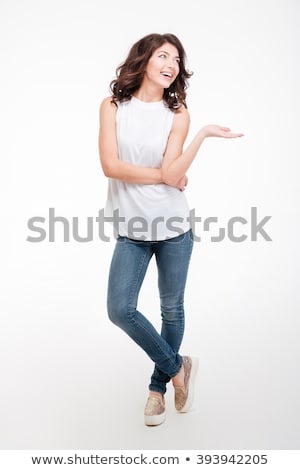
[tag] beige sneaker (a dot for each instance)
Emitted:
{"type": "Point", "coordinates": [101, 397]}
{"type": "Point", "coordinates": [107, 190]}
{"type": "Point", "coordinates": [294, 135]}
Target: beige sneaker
{"type": "Point", "coordinates": [155, 412]}
{"type": "Point", "coordinates": [184, 396]}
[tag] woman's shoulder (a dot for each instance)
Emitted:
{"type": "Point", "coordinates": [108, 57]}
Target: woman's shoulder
{"type": "Point", "coordinates": [108, 108]}
{"type": "Point", "coordinates": [182, 112]}
{"type": "Point", "coordinates": [182, 116]}
{"type": "Point", "coordinates": [107, 103]}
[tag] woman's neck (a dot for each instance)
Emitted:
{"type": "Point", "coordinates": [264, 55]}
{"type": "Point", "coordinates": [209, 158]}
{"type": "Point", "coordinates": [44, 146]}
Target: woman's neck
{"type": "Point", "coordinates": [149, 94]}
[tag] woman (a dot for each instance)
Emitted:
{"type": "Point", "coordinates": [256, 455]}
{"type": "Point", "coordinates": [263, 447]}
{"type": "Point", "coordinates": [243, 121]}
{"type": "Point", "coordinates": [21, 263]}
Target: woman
{"type": "Point", "coordinates": [143, 127]}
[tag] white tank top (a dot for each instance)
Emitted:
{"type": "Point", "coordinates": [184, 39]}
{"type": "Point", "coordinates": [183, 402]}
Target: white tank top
{"type": "Point", "coordinates": [145, 211]}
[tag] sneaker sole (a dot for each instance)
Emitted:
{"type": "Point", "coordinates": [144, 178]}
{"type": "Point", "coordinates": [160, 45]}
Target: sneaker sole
{"type": "Point", "coordinates": [190, 398]}
{"type": "Point", "coordinates": [155, 420]}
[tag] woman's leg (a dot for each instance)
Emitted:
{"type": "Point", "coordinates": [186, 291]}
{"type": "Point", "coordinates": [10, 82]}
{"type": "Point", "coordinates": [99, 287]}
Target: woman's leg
{"type": "Point", "coordinates": [172, 257]}
{"type": "Point", "coordinates": [128, 267]}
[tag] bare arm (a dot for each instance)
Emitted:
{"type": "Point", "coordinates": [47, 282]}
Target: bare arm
{"type": "Point", "coordinates": [176, 162]}
{"type": "Point", "coordinates": [108, 150]}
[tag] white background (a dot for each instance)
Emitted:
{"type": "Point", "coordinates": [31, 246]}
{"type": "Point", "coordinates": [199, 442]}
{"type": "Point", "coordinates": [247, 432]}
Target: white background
{"type": "Point", "coordinates": [70, 378]}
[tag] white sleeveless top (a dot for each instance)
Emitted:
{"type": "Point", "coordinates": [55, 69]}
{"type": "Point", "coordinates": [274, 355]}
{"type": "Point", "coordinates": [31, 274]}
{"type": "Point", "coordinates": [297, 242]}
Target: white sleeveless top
{"type": "Point", "coordinates": [145, 211]}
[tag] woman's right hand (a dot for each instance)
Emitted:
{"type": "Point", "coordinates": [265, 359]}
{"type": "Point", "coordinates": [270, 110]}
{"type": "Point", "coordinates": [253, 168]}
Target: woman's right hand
{"type": "Point", "coordinates": [182, 183]}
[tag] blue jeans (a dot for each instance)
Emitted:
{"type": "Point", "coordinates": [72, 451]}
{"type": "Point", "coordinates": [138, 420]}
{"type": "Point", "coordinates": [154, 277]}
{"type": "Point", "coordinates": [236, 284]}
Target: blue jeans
{"type": "Point", "coordinates": [128, 268]}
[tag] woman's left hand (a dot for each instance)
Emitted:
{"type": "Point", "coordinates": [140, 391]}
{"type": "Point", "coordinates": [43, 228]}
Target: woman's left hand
{"type": "Point", "coordinates": [213, 130]}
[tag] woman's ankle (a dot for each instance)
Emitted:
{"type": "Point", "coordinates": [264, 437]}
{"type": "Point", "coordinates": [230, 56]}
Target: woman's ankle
{"type": "Point", "coordinates": [178, 380]}
{"type": "Point", "coordinates": [155, 394]}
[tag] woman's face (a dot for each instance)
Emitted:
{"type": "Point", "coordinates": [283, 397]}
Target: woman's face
{"type": "Point", "coordinates": [163, 66]}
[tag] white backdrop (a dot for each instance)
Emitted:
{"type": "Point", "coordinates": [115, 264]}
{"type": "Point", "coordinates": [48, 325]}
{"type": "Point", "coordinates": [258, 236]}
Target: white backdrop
{"type": "Point", "coordinates": [71, 379]}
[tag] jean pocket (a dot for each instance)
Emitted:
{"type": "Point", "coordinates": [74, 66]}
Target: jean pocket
{"type": "Point", "coordinates": [181, 238]}
{"type": "Point", "coordinates": [121, 239]}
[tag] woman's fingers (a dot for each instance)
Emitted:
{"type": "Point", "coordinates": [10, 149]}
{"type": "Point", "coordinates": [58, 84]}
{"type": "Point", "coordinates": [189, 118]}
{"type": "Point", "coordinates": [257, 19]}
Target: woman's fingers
{"type": "Point", "coordinates": [213, 130]}
{"type": "Point", "coordinates": [233, 134]}
{"type": "Point", "coordinates": [230, 134]}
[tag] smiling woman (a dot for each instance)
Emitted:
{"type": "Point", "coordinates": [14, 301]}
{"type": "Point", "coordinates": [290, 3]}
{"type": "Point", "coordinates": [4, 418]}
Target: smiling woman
{"type": "Point", "coordinates": [143, 127]}
{"type": "Point", "coordinates": [165, 54]}
{"type": "Point", "coordinates": [163, 63]}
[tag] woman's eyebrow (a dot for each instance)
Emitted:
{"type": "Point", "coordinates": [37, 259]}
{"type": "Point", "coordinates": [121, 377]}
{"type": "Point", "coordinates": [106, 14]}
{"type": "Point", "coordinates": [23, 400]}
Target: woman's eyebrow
{"type": "Point", "coordinates": [165, 52]}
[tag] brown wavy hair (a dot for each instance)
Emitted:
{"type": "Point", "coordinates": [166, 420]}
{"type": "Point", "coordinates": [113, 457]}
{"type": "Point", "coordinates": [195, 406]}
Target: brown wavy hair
{"type": "Point", "coordinates": [130, 74]}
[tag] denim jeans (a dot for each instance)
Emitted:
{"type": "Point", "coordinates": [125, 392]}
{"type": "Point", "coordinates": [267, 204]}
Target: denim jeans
{"type": "Point", "coordinates": [128, 268]}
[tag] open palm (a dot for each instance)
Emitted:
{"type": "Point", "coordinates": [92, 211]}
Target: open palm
{"type": "Point", "coordinates": [213, 130]}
